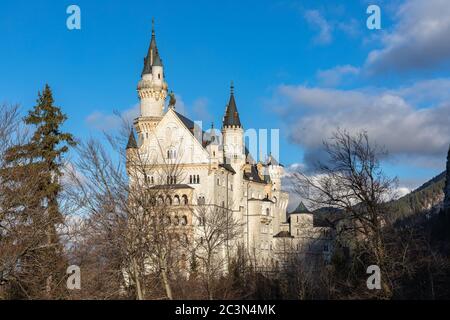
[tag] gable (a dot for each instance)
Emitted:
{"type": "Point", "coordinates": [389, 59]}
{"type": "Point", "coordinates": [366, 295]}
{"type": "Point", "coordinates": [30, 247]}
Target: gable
{"type": "Point", "coordinates": [176, 133]}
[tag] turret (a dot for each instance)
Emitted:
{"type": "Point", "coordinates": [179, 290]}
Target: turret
{"type": "Point", "coordinates": [152, 88]}
{"type": "Point", "coordinates": [233, 133]}
{"type": "Point", "coordinates": [213, 148]}
{"type": "Point", "coordinates": [276, 171]}
{"type": "Point", "coordinates": [131, 149]}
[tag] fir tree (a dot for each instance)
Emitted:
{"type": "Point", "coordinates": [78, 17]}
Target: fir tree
{"type": "Point", "coordinates": [29, 196]}
{"type": "Point", "coordinates": [48, 145]}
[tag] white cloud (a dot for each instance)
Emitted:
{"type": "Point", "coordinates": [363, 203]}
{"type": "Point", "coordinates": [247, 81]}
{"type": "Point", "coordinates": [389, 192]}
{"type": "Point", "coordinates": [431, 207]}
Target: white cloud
{"type": "Point", "coordinates": [419, 40]}
{"type": "Point", "coordinates": [101, 121]}
{"type": "Point", "coordinates": [390, 119]}
{"type": "Point", "coordinates": [200, 110]}
{"type": "Point", "coordinates": [334, 76]}
{"type": "Point", "coordinates": [317, 21]}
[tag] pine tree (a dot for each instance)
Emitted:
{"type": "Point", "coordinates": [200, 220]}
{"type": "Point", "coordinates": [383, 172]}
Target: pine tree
{"type": "Point", "coordinates": [48, 145]}
{"type": "Point", "coordinates": [30, 188]}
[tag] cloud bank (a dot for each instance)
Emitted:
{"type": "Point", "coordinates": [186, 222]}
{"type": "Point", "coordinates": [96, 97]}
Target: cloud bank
{"type": "Point", "coordinates": [391, 117]}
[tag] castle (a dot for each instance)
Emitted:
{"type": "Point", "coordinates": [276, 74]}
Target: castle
{"type": "Point", "coordinates": [217, 170]}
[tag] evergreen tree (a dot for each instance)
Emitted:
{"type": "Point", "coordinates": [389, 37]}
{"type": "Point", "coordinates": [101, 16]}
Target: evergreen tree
{"type": "Point", "coordinates": [48, 145]}
{"type": "Point", "coordinates": [447, 185]}
{"type": "Point", "coordinates": [29, 198]}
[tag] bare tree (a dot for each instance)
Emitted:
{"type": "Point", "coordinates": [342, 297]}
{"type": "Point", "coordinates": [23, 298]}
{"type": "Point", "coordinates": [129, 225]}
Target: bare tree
{"type": "Point", "coordinates": [216, 230]}
{"type": "Point", "coordinates": [131, 204]}
{"type": "Point", "coordinates": [352, 181]}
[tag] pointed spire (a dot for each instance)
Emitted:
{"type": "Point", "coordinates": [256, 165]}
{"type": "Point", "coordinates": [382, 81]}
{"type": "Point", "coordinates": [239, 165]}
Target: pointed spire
{"type": "Point", "coordinates": [231, 117]}
{"type": "Point", "coordinates": [301, 209]}
{"type": "Point", "coordinates": [132, 144]}
{"type": "Point", "coordinates": [153, 58]}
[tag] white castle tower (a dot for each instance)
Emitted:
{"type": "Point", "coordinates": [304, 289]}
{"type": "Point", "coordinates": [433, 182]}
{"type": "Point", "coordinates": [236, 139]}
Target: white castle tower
{"type": "Point", "coordinates": [152, 88]}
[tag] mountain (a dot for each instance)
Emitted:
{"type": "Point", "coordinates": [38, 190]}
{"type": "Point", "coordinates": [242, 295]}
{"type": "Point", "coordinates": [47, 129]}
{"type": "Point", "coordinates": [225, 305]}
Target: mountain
{"type": "Point", "coordinates": [426, 198]}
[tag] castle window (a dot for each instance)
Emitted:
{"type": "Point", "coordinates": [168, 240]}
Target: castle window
{"type": "Point", "coordinates": [201, 201]}
{"type": "Point", "coordinates": [185, 200]}
{"type": "Point", "coordinates": [152, 180]}
{"type": "Point", "coordinates": [159, 76]}
{"type": "Point", "coordinates": [176, 221]}
{"type": "Point", "coordinates": [267, 212]}
{"type": "Point", "coordinates": [169, 200]}
{"type": "Point", "coordinates": [218, 182]}
{"type": "Point", "coordinates": [171, 154]}
{"type": "Point", "coordinates": [184, 221]}
{"type": "Point", "coordinates": [326, 248]}
{"type": "Point", "coordinates": [194, 179]}
{"type": "Point", "coordinates": [176, 200]}
{"type": "Point", "coordinates": [167, 220]}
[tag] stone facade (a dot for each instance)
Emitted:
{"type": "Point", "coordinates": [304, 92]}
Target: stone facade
{"type": "Point", "coordinates": [215, 169]}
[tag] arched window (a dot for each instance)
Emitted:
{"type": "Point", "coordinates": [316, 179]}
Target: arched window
{"type": "Point", "coordinates": [185, 200]}
{"type": "Point", "coordinates": [169, 200]}
{"type": "Point", "coordinates": [167, 220]}
{"type": "Point", "coordinates": [176, 221]}
{"type": "Point", "coordinates": [171, 154]}
{"type": "Point", "coordinates": [184, 221]}
{"type": "Point", "coordinates": [201, 201]}
{"type": "Point", "coordinates": [198, 179]}
{"type": "Point", "coordinates": [267, 212]}
{"type": "Point", "coordinates": [160, 200]}
{"type": "Point", "coordinates": [176, 200]}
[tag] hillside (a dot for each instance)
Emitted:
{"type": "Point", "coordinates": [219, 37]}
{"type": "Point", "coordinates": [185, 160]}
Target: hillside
{"type": "Point", "coordinates": [427, 197]}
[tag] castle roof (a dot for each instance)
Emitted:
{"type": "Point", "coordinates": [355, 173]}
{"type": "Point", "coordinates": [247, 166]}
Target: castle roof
{"type": "Point", "coordinates": [283, 234]}
{"type": "Point", "coordinates": [253, 175]}
{"type": "Point", "coordinates": [132, 144]}
{"type": "Point", "coordinates": [231, 118]}
{"type": "Point", "coordinates": [153, 58]}
{"type": "Point", "coordinates": [301, 209]}
{"type": "Point", "coordinates": [227, 167]}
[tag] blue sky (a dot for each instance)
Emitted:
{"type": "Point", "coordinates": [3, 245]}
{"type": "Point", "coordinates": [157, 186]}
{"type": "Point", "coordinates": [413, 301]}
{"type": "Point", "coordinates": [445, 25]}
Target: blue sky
{"type": "Point", "coordinates": [305, 67]}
